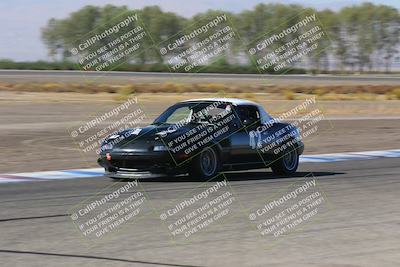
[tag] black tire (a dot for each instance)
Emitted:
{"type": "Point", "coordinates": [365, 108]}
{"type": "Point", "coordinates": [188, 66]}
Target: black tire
{"type": "Point", "coordinates": [286, 164]}
{"type": "Point", "coordinates": [205, 165]}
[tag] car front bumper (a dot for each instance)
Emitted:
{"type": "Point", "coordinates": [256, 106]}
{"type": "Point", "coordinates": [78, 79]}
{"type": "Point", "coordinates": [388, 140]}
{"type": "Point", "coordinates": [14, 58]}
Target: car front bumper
{"type": "Point", "coordinates": [140, 165]}
{"type": "Point", "coordinates": [133, 174]}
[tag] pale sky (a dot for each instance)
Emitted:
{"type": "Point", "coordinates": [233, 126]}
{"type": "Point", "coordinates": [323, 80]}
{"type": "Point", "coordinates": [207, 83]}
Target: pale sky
{"type": "Point", "coordinates": [21, 20]}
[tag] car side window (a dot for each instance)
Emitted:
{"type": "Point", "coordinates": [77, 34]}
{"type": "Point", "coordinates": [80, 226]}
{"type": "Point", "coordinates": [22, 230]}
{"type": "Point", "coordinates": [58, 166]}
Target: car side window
{"type": "Point", "coordinates": [248, 115]}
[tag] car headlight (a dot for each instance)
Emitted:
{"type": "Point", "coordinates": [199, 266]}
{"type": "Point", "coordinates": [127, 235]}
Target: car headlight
{"type": "Point", "coordinates": [160, 148]}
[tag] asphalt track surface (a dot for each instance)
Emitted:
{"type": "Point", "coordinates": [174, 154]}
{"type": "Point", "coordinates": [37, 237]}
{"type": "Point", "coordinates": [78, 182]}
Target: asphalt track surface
{"type": "Point", "coordinates": [358, 226]}
{"type": "Point", "coordinates": [123, 77]}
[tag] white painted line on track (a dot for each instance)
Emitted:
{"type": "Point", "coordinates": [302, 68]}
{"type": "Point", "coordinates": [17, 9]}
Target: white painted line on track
{"type": "Point", "coordinates": [96, 172]}
{"type": "Point", "coordinates": [51, 175]}
{"type": "Point", "coordinates": [334, 157]}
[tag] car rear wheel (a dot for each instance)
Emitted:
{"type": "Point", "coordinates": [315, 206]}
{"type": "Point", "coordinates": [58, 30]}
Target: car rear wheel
{"type": "Point", "coordinates": [205, 165]}
{"type": "Point", "coordinates": [286, 164]}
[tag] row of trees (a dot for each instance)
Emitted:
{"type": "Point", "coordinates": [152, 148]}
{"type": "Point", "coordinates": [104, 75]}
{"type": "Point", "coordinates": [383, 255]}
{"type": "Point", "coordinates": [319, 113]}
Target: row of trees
{"type": "Point", "coordinates": [361, 38]}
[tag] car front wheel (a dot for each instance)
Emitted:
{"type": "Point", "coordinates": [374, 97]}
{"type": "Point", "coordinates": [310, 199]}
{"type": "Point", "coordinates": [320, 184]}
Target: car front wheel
{"type": "Point", "coordinates": [205, 165]}
{"type": "Point", "coordinates": [287, 164]}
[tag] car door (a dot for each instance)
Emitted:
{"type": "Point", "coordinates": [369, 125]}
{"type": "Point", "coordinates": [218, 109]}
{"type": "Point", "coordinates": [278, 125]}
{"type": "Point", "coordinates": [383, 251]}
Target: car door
{"type": "Point", "coordinates": [244, 140]}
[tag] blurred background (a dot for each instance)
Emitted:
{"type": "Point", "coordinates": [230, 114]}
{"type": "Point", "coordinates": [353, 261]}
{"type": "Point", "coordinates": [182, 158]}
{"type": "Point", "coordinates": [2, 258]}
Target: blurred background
{"type": "Point", "coordinates": [364, 36]}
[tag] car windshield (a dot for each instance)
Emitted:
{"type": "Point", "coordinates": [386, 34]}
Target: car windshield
{"type": "Point", "coordinates": [196, 112]}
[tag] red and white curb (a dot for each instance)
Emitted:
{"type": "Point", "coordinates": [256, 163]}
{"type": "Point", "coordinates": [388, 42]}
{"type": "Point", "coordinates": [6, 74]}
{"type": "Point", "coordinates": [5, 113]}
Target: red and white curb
{"type": "Point", "coordinates": [96, 172]}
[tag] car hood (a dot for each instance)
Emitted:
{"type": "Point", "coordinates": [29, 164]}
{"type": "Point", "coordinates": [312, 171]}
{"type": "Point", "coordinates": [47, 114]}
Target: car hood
{"type": "Point", "coordinates": [144, 138]}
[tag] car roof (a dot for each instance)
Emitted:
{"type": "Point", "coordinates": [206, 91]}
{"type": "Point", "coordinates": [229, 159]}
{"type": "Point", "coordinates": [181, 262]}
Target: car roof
{"type": "Point", "coordinates": [234, 101]}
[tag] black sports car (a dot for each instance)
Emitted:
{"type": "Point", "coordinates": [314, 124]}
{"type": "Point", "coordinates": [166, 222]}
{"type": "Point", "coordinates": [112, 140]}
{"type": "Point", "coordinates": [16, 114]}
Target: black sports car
{"type": "Point", "coordinates": [202, 137]}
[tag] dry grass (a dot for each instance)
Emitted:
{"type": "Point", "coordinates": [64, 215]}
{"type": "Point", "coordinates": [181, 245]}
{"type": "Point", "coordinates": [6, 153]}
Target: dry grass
{"type": "Point", "coordinates": [394, 94]}
{"type": "Point", "coordinates": [289, 95]}
{"type": "Point", "coordinates": [360, 92]}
